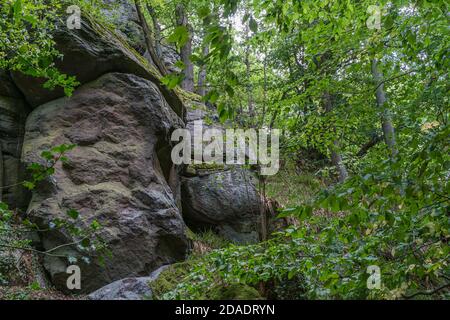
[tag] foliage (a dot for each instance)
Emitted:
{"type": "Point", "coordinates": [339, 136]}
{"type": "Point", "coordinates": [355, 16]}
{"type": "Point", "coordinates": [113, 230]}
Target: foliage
{"type": "Point", "coordinates": [393, 210]}
{"type": "Point", "coordinates": [26, 43]}
{"type": "Point", "coordinates": [394, 216]}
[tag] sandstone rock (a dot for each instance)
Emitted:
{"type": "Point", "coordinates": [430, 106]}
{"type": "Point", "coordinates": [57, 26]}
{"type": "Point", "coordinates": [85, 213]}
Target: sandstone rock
{"type": "Point", "coordinates": [128, 289]}
{"type": "Point", "coordinates": [13, 113]}
{"type": "Point", "coordinates": [90, 52]}
{"type": "Point", "coordinates": [125, 289]}
{"type": "Point", "coordinates": [225, 200]}
{"type": "Point", "coordinates": [7, 87]}
{"type": "Point", "coordinates": [123, 15]}
{"type": "Point", "coordinates": [117, 175]}
{"type": "Point", "coordinates": [169, 58]}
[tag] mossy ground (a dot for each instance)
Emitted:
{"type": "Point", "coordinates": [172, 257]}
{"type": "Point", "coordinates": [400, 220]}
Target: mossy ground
{"type": "Point", "coordinates": [291, 189]}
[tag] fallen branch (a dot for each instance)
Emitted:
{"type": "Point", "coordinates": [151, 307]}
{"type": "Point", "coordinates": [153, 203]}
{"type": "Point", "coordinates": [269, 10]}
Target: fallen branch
{"type": "Point", "coordinates": [427, 293]}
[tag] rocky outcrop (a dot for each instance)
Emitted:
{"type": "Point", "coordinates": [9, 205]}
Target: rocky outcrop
{"type": "Point", "coordinates": [121, 124]}
{"type": "Point", "coordinates": [13, 111]}
{"type": "Point", "coordinates": [89, 53]}
{"type": "Point", "coordinates": [219, 197]}
{"type": "Point", "coordinates": [224, 200]}
{"type": "Point", "coordinates": [122, 13]}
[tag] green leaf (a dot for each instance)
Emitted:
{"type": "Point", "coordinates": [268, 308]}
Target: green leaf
{"type": "Point", "coordinates": [179, 36]}
{"type": "Point", "coordinates": [85, 242]}
{"type": "Point", "coordinates": [172, 80]}
{"type": "Point", "coordinates": [72, 213]}
{"type": "Point", "coordinates": [17, 8]}
{"type": "Point", "coordinates": [203, 12]}
{"type": "Point", "coordinates": [29, 185]}
{"type": "Point", "coordinates": [253, 25]}
{"type": "Point", "coordinates": [95, 225]}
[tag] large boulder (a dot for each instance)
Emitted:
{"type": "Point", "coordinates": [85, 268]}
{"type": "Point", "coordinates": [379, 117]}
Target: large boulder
{"type": "Point", "coordinates": [224, 199]}
{"type": "Point", "coordinates": [88, 53]}
{"type": "Point", "coordinates": [118, 175]}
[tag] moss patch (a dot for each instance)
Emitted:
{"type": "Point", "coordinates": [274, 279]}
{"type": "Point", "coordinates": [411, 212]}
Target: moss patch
{"type": "Point", "coordinates": [169, 278]}
{"type": "Point", "coordinates": [235, 291]}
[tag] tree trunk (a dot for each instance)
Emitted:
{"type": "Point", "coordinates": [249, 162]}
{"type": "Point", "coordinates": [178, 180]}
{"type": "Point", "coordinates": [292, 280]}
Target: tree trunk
{"type": "Point", "coordinates": [263, 115]}
{"type": "Point", "coordinates": [201, 84]}
{"type": "Point", "coordinates": [336, 158]}
{"type": "Point", "coordinates": [149, 40]}
{"type": "Point", "coordinates": [1, 173]}
{"type": "Point", "coordinates": [249, 85]}
{"type": "Point", "coordinates": [157, 29]}
{"type": "Point", "coordinates": [186, 50]}
{"type": "Point", "coordinates": [386, 121]}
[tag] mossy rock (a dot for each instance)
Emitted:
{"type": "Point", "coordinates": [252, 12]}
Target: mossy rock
{"type": "Point", "coordinates": [169, 278]}
{"type": "Point", "coordinates": [194, 168]}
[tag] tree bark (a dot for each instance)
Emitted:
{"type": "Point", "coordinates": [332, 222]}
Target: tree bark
{"type": "Point", "coordinates": [149, 40]}
{"type": "Point", "coordinates": [249, 84]}
{"type": "Point", "coordinates": [336, 158]}
{"type": "Point", "coordinates": [186, 50]}
{"type": "Point", "coordinates": [263, 115]}
{"type": "Point", "coordinates": [157, 29]}
{"type": "Point", "coordinates": [1, 173]}
{"type": "Point", "coordinates": [386, 120]}
{"type": "Point", "coordinates": [201, 84]}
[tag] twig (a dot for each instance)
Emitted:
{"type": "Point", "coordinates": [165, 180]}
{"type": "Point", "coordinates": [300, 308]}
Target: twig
{"type": "Point", "coordinates": [427, 293]}
{"type": "Point", "coordinates": [32, 250]}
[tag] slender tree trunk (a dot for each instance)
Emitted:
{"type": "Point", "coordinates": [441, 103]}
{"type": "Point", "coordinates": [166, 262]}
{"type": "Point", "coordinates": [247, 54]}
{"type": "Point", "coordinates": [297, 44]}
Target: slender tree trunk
{"type": "Point", "coordinates": [249, 85]}
{"type": "Point", "coordinates": [248, 72]}
{"type": "Point", "coordinates": [1, 173]}
{"type": "Point", "coordinates": [157, 30]}
{"type": "Point", "coordinates": [186, 50]}
{"type": "Point", "coordinates": [262, 208]}
{"type": "Point", "coordinates": [386, 120]}
{"type": "Point", "coordinates": [263, 115]}
{"type": "Point", "coordinates": [149, 40]}
{"type": "Point", "coordinates": [201, 84]}
{"type": "Point", "coordinates": [336, 158]}
{"type": "Point", "coordinates": [274, 117]}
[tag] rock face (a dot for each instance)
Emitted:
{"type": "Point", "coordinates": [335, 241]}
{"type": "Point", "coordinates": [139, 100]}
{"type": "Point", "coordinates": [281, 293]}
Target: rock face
{"type": "Point", "coordinates": [123, 15]}
{"type": "Point", "coordinates": [121, 124]}
{"type": "Point", "coordinates": [225, 200]}
{"type": "Point", "coordinates": [13, 113]}
{"type": "Point", "coordinates": [218, 197]}
{"type": "Point", "coordinates": [89, 53]}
